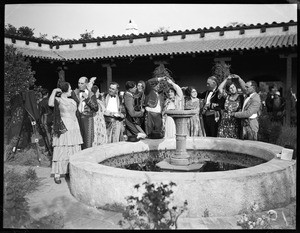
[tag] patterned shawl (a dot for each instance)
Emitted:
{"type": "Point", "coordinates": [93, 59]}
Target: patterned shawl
{"type": "Point", "coordinates": [58, 125]}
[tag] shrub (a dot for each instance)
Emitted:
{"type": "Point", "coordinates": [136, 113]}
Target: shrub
{"type": "Point", "coordinates": [28, 157]}
{"type": "Point", "coordinates": [151, 208]}
{"type": "Point", "coordinates": [8, 150]}
{"type": "Point", "coordinates": [269, 131]}
{"type": "Point", "coordinates": [16, 187]}
{"type": "Point", "coordinates": [251, 220]}
{"type": "Point", "coordinates": [288, 136]}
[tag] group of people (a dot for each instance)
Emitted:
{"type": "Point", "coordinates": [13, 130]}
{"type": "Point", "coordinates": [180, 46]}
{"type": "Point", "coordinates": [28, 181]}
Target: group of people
{"type": "Point", "coordinates": [84, 117]}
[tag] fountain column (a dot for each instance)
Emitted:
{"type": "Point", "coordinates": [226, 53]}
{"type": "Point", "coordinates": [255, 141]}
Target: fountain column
{"type": "Point", "coordinates": [180, 157]}
{"type": "Point", "coordinates": [179, 161]}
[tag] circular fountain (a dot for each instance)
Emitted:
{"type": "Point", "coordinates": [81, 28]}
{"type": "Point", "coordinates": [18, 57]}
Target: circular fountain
{"type": "Point", "coordinates": [98, 176]}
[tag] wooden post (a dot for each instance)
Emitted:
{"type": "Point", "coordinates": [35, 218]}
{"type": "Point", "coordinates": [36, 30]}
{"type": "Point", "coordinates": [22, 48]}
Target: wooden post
{"type": "Point", "coordinates": [108, 74]}
{"type": "Point", "coordinates": [288, 85]}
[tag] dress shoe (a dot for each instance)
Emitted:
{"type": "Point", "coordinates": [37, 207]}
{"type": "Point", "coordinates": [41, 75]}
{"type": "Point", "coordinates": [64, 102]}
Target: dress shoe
{"type": "Point", "coordinates": [57, 180]}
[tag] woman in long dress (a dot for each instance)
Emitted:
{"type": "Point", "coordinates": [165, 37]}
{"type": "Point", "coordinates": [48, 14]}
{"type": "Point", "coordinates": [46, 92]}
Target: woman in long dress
{"type": "Point", "coordinates": [195, 123]}
{"type": "Point", "coordinates": [230, 127]}
{"type": "Point", "coordinates": [67, 138]}
{"type": "Point", "coordinates": [100, 134]}
{"type": "Point", "coordinates": [174, 101]}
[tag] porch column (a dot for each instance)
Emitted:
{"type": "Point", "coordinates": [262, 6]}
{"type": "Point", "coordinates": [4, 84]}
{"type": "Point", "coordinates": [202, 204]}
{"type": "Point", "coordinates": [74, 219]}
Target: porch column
{"type": "Point", "coordinates": [288, 85]}
{"type": "Point", "coordinates": [108, 73]}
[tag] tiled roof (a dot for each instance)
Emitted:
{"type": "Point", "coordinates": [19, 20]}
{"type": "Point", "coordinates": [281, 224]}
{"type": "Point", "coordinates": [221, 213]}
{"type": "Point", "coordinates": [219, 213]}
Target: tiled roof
{"type": "Point", "coordinates": [45, 54]}
{"type": "Point", "coordinates": [170, 48]}
{"type": "Point", "coordinates": [156, 34]}
{"type": "Point", "coordinates": [238, 38]}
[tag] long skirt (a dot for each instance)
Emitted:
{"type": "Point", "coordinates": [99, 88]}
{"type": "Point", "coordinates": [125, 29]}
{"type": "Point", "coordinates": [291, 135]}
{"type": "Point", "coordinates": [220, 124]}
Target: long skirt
{"type": "Point", "coordinates": [195, 128]}
{"type": "Point", "coordinates": [170, 127]}
{"type": "Point", "coordinates": [115, 130]}
{"type": "Point", "coordinates": [65, 146]}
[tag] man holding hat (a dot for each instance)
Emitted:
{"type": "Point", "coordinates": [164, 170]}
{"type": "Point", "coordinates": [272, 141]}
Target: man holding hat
{"type": "Point", "coordinates": [154, 103]}
{"type": "Point", "coordinates": [250, 111]}
{"type": "Point", "coordinates": [212, 107]}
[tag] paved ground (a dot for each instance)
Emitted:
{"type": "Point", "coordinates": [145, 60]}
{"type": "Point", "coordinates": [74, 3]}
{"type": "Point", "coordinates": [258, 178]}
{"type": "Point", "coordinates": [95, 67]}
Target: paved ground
{"type": "Point", "coordinates": [52, 198]}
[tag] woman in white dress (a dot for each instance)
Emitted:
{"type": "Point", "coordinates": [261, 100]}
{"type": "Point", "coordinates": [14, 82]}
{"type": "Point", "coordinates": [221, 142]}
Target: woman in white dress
{"type": "Point", "coordinates": [67, 138]}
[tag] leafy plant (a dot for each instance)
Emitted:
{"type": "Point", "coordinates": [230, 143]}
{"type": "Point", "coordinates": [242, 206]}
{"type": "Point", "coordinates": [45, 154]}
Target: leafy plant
{"type": "Point", "coordinates": [16, 187]}
{"type": "Point", "coordinates": [8, 150]}
{"type": "Point", "coordinates": [87, 35]}
{"type": "Point", "coordinates": [162, 71]}
{"type": "Point", "coordinates": [18, 76]}
{"type": "Point", "coordinates": [251, 220]}
{"type": "Point", "coordinates": [152, 208]}
{"type": "Point", "coordinates": [268, 131]}
{"type": "Point", "coordinates": [220, 71]}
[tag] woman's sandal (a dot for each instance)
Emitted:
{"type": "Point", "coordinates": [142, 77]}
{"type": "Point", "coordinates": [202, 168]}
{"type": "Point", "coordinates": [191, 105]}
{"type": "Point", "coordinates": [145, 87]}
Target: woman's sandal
{"type": "Point", "coordinates": [57, 180]}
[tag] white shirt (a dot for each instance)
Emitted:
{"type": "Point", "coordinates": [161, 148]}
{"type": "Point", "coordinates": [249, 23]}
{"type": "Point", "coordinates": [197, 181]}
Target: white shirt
{"type": "Point", "coordinates": [157, 108]}
{"type": "Point", "coordinates": [209, 96]}
{"type": "Point", "coordinates": [245, 102]}
{"type": "Point", "coordinates": [81, 106]}
{"type": "Point", "coordinates": [112, 105]}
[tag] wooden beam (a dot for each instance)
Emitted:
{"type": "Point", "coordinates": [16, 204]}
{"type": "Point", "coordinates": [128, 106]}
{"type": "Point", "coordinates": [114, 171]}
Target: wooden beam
{"type": "Point", "coordinates": [161, 62]}
{"type": "Point", "coordinates": [288, 86]}
{"type": "Point", "coordinates": [222, 59]}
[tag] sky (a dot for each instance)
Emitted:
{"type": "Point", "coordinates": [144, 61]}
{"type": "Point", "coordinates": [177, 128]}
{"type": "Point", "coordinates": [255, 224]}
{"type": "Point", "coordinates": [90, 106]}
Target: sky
{"type": "Point", "coordinates": [70, 20]}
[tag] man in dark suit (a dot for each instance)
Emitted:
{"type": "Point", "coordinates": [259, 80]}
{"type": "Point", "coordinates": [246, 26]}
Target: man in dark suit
{"type": "Point", "coordinates": [87, 107]}
{"type": "Point", "coordinates": [212, 107]}
{"type": "Point", "coordinates": [132, 121]}
{"type": "Point", "coordinates": [250, 112]}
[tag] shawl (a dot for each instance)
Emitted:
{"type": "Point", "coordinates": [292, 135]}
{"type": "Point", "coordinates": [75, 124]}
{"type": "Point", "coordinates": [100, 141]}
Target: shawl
{"type": "Point", "coordinates": [58, 125]}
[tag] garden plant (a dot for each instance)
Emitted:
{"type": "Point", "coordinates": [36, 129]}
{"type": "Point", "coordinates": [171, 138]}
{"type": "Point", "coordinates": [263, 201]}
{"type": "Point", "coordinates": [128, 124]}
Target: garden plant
{"type": "Point", "coordinates": [152, 208]}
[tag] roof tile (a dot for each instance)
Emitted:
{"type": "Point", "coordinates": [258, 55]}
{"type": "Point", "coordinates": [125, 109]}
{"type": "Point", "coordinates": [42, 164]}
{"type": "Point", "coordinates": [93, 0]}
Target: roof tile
{"type": "Point", "coordinates": [169, 48]}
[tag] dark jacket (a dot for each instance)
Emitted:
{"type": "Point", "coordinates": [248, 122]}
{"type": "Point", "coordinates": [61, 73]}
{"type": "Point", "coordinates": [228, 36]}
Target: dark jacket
{"type": "Point", "coordinates": [91, 105]}
{"type": "Point", "coordinates": [215, 99]}
{"type": "Point", "coordinates": [151, 97]}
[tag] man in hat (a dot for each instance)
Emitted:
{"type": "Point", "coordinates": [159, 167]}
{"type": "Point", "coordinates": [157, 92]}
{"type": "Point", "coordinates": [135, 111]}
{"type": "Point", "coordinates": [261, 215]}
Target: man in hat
{"type": "Point", "coordinates": [278, 107]}
{"type": "Point", "coordinates": [212, 107]}
{"type": "Point", "coordinates": [154, 103]}
{"type": "Point", "coordinates": [250, 111]}
{"type": "Point", "coordinates": [87, 107]}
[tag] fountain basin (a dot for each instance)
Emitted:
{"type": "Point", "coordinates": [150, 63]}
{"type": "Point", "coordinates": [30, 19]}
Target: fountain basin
{"type": "Point", "coordinates": [271, 184]}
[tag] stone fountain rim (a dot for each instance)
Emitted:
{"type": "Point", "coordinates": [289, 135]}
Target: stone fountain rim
{"type": "Point", "coordinates": [87, 160]}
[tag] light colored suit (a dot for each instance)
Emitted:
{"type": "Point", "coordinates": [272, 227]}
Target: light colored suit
{"type": "Point", "coordinates": [250, 126]}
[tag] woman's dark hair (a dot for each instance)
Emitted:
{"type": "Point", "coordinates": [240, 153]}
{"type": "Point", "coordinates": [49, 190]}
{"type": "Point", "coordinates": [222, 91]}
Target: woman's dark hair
{"type": "Point", "coordinates": [94, 89]}
{"type": "Point", "coordinates": [44, 92]}
{"type": "Point", "coordinates": [228, 84]}
{"type": "Point", "coordinates": [143, 84]}
{"type": "Point", "coordinates": [64, 86]}
{"type": "Point", "coordinates": [172, 89]}
{"type": "Point", "coordinates": [129, 84]}
{"type": "Point", "coordinates": [188, 91]}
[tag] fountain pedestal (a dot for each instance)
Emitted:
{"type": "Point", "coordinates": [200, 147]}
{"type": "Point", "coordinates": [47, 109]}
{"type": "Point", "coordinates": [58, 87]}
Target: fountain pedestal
{"type": "Point", "coordinates": [179, 161]}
